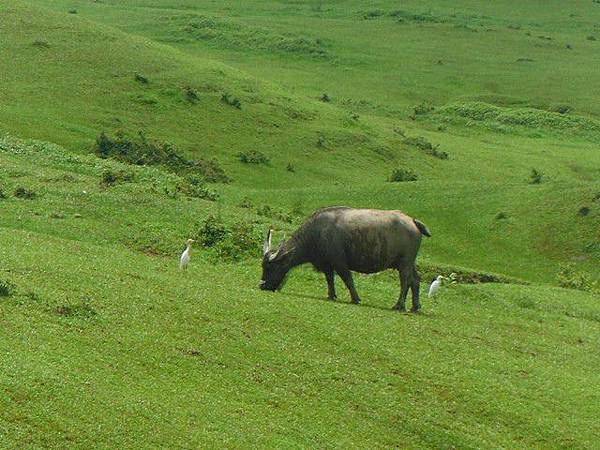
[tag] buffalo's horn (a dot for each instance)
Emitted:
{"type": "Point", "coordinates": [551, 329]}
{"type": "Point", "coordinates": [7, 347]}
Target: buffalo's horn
{"type": "Point", "coordinates": [267, 244]}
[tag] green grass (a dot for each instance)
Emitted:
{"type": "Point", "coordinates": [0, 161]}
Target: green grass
{"type": "Point", "coordinates": [105, 343]}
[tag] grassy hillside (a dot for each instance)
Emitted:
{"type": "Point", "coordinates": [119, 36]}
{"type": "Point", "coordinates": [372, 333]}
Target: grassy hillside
{"type": "Point", "coordinates": [104, 342]}
{"type": "Point", "coordinates": [104, 345]}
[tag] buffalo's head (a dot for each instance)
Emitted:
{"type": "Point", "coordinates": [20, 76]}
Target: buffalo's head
{"type": "Point", "coordinates": [275, 265]}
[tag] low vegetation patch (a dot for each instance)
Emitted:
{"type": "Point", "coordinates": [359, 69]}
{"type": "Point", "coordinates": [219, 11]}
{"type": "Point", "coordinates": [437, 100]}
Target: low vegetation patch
{"type": "Point", "coordinates": [231, 101]}
{"type": "Point", "coordinates": [254, 157]}
{"type": "Point", "coordinates": [426, 147]}
{"type": "Point", "coordinates": [25, 193]}
{"type": "Point", "coordinates": [274, 213]}
{"type": "Point", "coordinates": [230, 242]}
{"type": "Point", "coordinates": [514, 119]}
{"type": "Point", "coordinates": [227, 33]}
{"type": "Point", "coordinates": [113, 177]}
{"type": "Point", "coordinates": [536, 176]}
{"type": "Point", "coordinates": [140, 78]}
{"type": "Point", "coordinates": [144, 152]}
{"type": "Point", "coordinates": [402, 174]}
{"type": "Point", "coordinates": [569, 277]}
{"type": "Point", "coordinates": [6, 288]}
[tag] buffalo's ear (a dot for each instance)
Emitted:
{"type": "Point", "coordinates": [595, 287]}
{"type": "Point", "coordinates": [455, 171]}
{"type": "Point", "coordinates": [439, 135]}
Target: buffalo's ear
{"type": "Point", "coordinates": [267, 244]}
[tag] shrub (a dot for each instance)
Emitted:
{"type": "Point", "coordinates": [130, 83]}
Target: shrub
{"type": "Point", "coordinates": [290, 168]}
{"type": "Point", "coordinates": [110, 178]}
{"type": "Point", "coordinates": [140, 78]}
{"type": "Point", "coordinates": [253, 157]}
{"type": "Point", "coordinates": [501, 216]}
{"type": "Point", "coordinates": [325, 98]}
{"type": "Point", "coordinates": [321, 141]}
{"type": "Point", "coordinates": [143, 152]}
{"type": "Point", "coordinates": [212, 231]}
{"type": "Point", "coordinates": [2, 194]}
{"type": "Point", "coordinates": [193, 186]}
{"type": "Point", "coordinates": [246, 203]}
{"type": "Point", "coordinates": [401, 174]}
{"type": "Point", "coordinates": [72, 11]}
{"type": "Point", "coordinates": [423, 108]}
{"type": "Point", "coordinates": [568, 277]}
{"type": "Point", "coordinates": [584, 211]}
{"type": "Point", "coordinates": [24, 193]}
{"type": "Point", "coordinates": [536, 176]}
{"type": "Point", "coordinates": [6, 288]}
{"type": "Point", "coordinates": [40, 43]}
{"type": "Point", "coordinates": [425, 146]}
{"type": "Point", "coordinates": [591, 37]}
{"type": "Point", "coordinates": [230, 242]}
{"type": "Point", "coordinates": [235, 102]}
{"type": "Point", "coordinates": [191, 95]}
{"type": "Point", "coordinates": [273, 213]}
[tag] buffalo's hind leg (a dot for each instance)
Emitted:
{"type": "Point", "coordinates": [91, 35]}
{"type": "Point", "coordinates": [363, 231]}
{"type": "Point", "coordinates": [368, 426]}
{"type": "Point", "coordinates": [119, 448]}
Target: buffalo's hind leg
{"type": "Point", "coordinates": [346, 277]}
{"type": "Point", "coordinates": [415, 286]}
{"type": "Point", "coordinates": [405, 278]}
{"type": "Point", "coordinates": [329, 274]}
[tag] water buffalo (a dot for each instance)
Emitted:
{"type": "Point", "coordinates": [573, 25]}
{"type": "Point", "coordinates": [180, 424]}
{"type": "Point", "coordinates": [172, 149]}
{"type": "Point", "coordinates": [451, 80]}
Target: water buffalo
{"type": "Point", "coordinates": [340, 239]}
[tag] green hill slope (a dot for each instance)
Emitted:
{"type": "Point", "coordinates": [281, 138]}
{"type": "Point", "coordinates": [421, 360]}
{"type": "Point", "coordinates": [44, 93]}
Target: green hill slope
{"type": "Point", "coordinates": [103, 342]}
{"type": "Point", "coordinates": [106, 346]}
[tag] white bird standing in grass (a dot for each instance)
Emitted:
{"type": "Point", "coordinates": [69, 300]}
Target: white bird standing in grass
{"type": "Point", "coordinates": [435, 286]}
{"type": "Point", "coordinates": [185, 256]}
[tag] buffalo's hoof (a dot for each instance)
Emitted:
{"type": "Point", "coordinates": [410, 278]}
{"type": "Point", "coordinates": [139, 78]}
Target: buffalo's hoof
{"type": "Point", "coordinates": [415, 310]}
{"type": "Point", "coordinates": [356, 301]}
{"type": "Point", "coordinates": [332, 297]}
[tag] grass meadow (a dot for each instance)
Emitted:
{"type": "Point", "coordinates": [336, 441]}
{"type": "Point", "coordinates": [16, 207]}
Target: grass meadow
{"type": "Point", "coordinates": [221, 119]}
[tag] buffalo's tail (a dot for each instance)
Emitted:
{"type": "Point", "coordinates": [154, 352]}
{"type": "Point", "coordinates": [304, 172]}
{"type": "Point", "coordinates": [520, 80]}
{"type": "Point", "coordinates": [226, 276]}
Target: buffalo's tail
{"type": "Point", "coordinates": [422, 227]}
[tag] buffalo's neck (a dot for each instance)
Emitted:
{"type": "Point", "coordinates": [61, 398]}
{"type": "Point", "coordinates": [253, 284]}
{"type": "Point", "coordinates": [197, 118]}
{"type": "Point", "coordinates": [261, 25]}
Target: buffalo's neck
{"type": "Point", "coordinates": [297, 253]}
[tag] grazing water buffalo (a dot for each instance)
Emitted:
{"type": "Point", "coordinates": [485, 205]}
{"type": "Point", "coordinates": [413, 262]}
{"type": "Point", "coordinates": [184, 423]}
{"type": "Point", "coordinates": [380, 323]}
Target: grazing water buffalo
{"type": "Point", "coordinates": [341, 239]}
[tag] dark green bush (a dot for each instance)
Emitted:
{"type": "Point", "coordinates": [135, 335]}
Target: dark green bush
{"type": "Point", "coordinates": [253, 157]}
{"type": "Point", "coordinates": [273, 213]}
{"type": "Point", "coordinates": [194, 186]}
{"type": "Point", "coordinates": [325, 98]}
{"type": "Point", "coordinates": [191, 95]}
{"type": "Point", "coordinates": [212, 231]}
{"type": "Point", "coordinates": [423, 108]}
{"type": "Point", "coordinates": [2, 194]}
{"type": "Point", "coordinates": [290, 168]}
{"type": "Point", "coordinates": [401, 174]}
{"type": "Point", "coordinates": [246, 203]}
{"type": "Point", "coordinates": [143, 152]}
{"type": "Point", "coordinates": [110, 177]}
{"type": "Point", "coordinates": [230, 241]}
{"type": "Point", "coordinates": [536, 176]}
{"type": "Point", "coordinates": [6, 288]}
{"type": "Point", "coordinates": [24, 193]}
{"type": "Point", "coordinates": [425, 146]}
{"type": "Point", "coordinates": [570, 278]}
{"type": "Point", "coordinates": [140, 78]}
{"type": "Point", "coordinates": [235, 102]}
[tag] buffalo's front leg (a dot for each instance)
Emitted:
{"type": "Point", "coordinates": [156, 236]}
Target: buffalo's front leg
{"type": "Point", "coordinates": [329, 274]}
{"type": "Point", "coordinates": [346, 277]}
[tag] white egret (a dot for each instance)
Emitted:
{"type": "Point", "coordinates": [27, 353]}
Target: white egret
{"type": "Point", "coordinates": [185, 256]}
{"type": "Point", "coordinates": [435, 286]}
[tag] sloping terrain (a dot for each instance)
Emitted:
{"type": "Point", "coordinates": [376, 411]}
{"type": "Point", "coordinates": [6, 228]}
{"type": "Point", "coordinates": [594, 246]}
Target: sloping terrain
{"type": "Point", "coordinates": [104, 342]}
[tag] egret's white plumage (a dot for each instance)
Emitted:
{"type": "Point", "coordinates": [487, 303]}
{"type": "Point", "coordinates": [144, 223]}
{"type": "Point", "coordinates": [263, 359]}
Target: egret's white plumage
{"type": "Point", "coordinates": [185, 256]}
{"type": "Point", "coordinates": [435, 286]}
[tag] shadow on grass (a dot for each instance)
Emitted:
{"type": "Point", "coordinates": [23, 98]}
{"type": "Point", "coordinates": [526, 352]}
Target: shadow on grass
{"type": "Point", "coordinates": [362, 305]}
